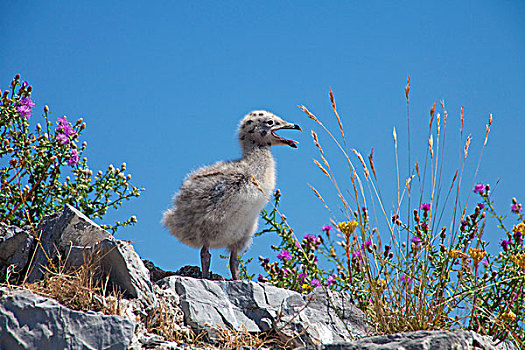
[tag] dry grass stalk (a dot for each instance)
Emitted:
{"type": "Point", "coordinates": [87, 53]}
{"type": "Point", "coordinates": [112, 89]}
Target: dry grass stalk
{"type": "Point", "coordinates": [431, 146]}
{"type": "Point", "coordinates": [78, 288]}
{"type": "Point", "coordinates": [488, 130]}
{"type": "Point", "coordinates": [336, 114]}
{"type": "Point", "coordinates": [322, 169]}
{"type": "Point", "coordinates": [316, 142]}
{"type": "Point", "coordinates": [305, 110]}
{"type": "Point", "coordinates": [467, 145]}
{"type": "Point", "coordinates": [367, 174]}
{"type": "Point", "coordinates": [230, 338]}
{"type": "Point", "coordinates": [417, 171]}
{"type": "Point", "coordinates": [371, 161]}
{"type": "Point", "coordinates": [407, 88]}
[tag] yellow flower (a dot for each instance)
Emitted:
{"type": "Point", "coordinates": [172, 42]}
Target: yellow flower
{"type": "Point", "coordinates": [305, 286]}
{"type": "Point", "coordinates": [508, 316]}
{"type": "Point", "coordinates": [477, 254]}
{"type": "Point", "coordinates": [381, 283]}
{"type": "Point", "coordinates": [519, 259]}
{"type": "Point", "coordinates": [347, 227]}
{"type": "Point", "coordinates": [519, 228]}
{"type": "Point", "coordinates": [453, 253]}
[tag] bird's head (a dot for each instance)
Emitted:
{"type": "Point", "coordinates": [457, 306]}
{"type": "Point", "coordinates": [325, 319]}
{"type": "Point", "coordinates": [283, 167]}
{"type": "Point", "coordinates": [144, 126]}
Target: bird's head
{"type": "Point", "coordinates": [259, 128]}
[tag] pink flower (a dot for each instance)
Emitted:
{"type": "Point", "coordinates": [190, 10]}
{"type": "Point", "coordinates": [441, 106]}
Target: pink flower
{"type": "Point", "coordinates": [330, 280]}
{"type": "Point", "coordinates": [302, 276]}
{"type": "Point", "coordinates": [405, 279]}
{"type": "Point", "coordinates": [261, 278]}
{"type": "Point", "coordinates": [327, 228]}
{"type": "Point", "coordinates": [74, 157]}
{"type": "Point", "coordinates": [356, 254]}
{"type": "Point", "coordinates": [297, 244]}
{"type": "Point", "coordinates": [479, 188]}
{"type": "Point", "coordinates": [23, 107]}
{"type": "Point", "coordinates": [62, 138]}
{"type": "Point", "coordinates": [284, 255]}
{"type": "Point", "coordinates": [416, 240]}
{"type": "Point", "coordinates": [425, 207]}
{"type": "Point", "coordinates": [515, 208]}
{"type": "Point", "coordinates": [315, 283]}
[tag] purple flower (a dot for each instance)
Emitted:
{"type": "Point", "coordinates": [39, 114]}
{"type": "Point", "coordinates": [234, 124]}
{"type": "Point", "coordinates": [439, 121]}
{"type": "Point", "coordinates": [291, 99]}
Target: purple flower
{"type": "Point", "coordinates": [479, 188]}
{"type": "Point", "coordinates": [65, 128]}
{"type": "Point", "coordinates": [302, 276]}
{"type": "Point", "coordinates": [311, 239]}
{"type": "Point", "coordinates": [515, 208]}
{"type": "Point", "coordinates": [23, 107]}
{"type": "Point", "coordinates": [485, 263]}
{"type": "Point", "coordinates": [481, 206]}
{"type": "Point", "coordinates": [327, 228]}
{"type": "Point", "coordinates": [416, 240]}
{"type": "Point", "coordinates": [425, 207]}
{"type": "Point", "coordinates": [261, 278]}
{"type": "Point", "coordinates": [315, 283]}
{"type": "Point", "coordinates": [330, 280]}
{"type": "Point", "coordinates": [356, 254]}
{"type": "Point", "coordinates": [285, 272]}
{"type": "Point", "coordinates": [297, 244]}
{"type": "Point", "coordinates": [62, 138]}
{"type": "Point", "coordinates": [405, 279]}
{"type": "Point", "coordinates": [505, 244]}
{"type": "Point", "coordinates": [284, 255]}
{"type": "Point", "coordinates": [367, 244]}
{"type": "Point", "coordinates": [74, 157]}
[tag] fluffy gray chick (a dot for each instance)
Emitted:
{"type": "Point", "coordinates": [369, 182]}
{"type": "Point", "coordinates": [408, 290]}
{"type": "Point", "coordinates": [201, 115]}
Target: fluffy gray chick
{"type": "Point", "coordinates": [218, 205]}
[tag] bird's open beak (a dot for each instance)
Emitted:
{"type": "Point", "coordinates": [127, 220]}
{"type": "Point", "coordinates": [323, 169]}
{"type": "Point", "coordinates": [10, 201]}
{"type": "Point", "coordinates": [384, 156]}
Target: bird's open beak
{"type": "Point", "coordinates": [282, 140]}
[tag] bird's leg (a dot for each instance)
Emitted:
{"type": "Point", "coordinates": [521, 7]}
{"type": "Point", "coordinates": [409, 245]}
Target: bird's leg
{"type": "Point", "coordinates": [234, 263]}
{"type": "Point", "coordinates": [205, 261]}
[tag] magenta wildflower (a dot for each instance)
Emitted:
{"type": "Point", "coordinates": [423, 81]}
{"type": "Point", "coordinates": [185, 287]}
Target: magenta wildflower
{"type": "Point", "coordinates": [485, 263]}
{"type": "Point", "coordinates": [297, 244]}
{"type": "Point", "coordinates": [405, 279]}
{"type": "Point", "coordinates": [302, 276]}
{"type": "Point", "coordinates": [261, 278]}
{"type": "Point", "coordinates": [330, 280]}
{"type": "Point", "coordinates": [481, 206]}
{"type": "Point", "coordinates": [479, 188]}
{"type": "Point", "coordinates": [315, 283]}
{"type": "Point", "coordinates": [505, 244]}
{"type": "Point", "coordinates": [74, 157]}
{"type": "Point", "coordinates": [284, 255]}
{"type": "Point", "coordinates": [356, 254]}
{"type": "Point", "coordinates": [65, 127]}
{"type": "Point", "coordinates": [367, 244]}
{"type": "Point", "coordinates": [23, 107]}
{"type": "Point", "coordinates": [327, 228]}
{"type": "Point", "coordinates": [285, 272]}
{"type": "Point", "coordinates": [416, 240]}
{"type": "Point", "coordinates": [515, 208]}
{"type": "Point", "coordinates": [425, 207]}
{"type": "Point", "coordinates": [62, 138]}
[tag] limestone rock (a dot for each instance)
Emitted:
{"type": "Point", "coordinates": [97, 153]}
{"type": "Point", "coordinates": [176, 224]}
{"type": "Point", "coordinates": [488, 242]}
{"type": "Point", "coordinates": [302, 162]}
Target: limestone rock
{"type": "Point", "coordinates": [30, 321]}
{"type": "Point", "coordinates": [59, 232]}
{"type": "Point", "coordinates": [15, 247]}
{"type": "Point", "coordinates": [419, 340]}
{"type": "Point", "coordinates": [260, 307]}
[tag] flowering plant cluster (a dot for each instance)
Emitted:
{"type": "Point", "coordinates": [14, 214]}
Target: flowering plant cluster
{"type": "Point", "coordinates": [422, 275]}
{"type": "Point", "coordinates": [42, 170]}
{"type": "Point", "coordinates": [297, 266]}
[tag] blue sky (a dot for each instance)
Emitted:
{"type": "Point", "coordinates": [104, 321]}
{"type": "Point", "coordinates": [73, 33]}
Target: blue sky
{"type": "Point", "coordinates": [162, 86]}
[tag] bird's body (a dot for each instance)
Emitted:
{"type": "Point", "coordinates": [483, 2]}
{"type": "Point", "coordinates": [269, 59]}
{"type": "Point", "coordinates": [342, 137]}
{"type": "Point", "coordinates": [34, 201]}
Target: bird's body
{"type": "Point", "coordinates": [218, 205]}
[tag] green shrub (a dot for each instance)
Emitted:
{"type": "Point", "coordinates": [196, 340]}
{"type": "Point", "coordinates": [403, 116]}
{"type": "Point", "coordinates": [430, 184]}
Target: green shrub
{"type": "Point", "coordinates": [42, 170]}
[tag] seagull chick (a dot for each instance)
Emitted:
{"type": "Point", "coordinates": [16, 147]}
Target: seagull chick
{"type": "Point", "coordinates": [218, 205]}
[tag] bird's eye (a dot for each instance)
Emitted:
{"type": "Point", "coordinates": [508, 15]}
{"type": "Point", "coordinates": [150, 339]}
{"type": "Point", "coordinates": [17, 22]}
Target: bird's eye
{"type": "Point", "coordinates": [269, 122]}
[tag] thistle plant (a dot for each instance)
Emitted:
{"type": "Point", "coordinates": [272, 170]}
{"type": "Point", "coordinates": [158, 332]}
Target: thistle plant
{"type": "Point", "coordinates": [402, 266]}
{"type": "Point", "coordinates": [43, 170]}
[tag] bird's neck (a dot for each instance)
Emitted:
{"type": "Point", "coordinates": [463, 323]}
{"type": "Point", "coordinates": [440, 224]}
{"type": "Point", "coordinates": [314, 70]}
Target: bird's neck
{"type": "Point", "coordinates": [262, 165]}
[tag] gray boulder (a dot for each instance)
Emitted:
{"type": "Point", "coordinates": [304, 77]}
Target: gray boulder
{"type": "Point", "coordinates": [419, 340]}
{"type": "Point", "coordinates": [15, 247]}
{"type": "Point", "coordinates": [30, 321]}
{"type": "Point", "coordinates": [59, 232]}
{"type": "Point", "coordinates": [256, 307]}
{"type": "Point", "coordinates": [74, 237]}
